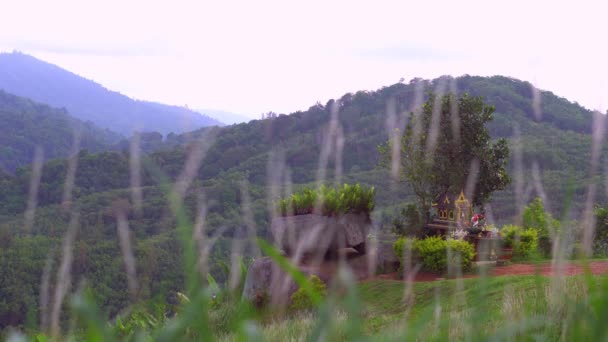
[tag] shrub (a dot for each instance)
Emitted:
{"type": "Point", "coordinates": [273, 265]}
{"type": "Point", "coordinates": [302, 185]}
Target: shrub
{"type": "Point", "coordinates": [460, 251]}
{"type": "Point", "coordinates": [300, 300]}
{"type": "Point", "coordinates": [433, 253]}
{"type": "Point", "coordinates": [527, 245]}
{"type": "Point", "coordinates": [401, 244]}
{"type": "Point", "coordinates": [508, 234]}
{"type": "Point", "coordinates": [535, 217]}
{"type": "Point", "coordinates": [523, 242]}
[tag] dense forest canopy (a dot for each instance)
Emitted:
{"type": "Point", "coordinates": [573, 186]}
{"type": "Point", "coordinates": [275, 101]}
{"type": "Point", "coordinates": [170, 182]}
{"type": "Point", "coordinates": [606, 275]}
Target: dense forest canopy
{"type": "Point", "coordinates": [26, 124]}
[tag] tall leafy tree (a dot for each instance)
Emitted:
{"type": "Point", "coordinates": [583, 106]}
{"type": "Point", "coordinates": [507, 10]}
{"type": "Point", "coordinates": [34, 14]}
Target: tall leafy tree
{"type": "Point", "coordinates": [447, 147]}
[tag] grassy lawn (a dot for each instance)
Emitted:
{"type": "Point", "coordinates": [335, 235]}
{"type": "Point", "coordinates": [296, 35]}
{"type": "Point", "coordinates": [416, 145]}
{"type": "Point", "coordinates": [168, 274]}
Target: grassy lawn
{"type": "Point", "coordinates": [502, 308]}
{"type": "Point", "coordinates": [472, 308]}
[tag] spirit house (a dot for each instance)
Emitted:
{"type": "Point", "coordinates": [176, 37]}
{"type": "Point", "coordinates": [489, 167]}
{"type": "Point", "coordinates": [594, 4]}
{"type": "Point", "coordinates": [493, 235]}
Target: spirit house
{"type": "Point", "coordinates": [451, 212]}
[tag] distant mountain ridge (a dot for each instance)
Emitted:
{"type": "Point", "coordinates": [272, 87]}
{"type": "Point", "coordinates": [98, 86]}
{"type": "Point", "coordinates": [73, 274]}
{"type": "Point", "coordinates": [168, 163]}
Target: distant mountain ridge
{"type": "Point", "coordinates": [225, 117]}
{"type": "Point", "coordinates": [25, 125]}
{"type": "Point", "coordinates": [26, 76]}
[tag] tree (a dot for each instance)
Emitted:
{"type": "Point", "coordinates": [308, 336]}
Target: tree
{"type": "Point", "coordinates": [535, 217]}
{"type": "Point", "coordinates": [446, 143]}
{"type": "Point", "coordinates": [408, 222]}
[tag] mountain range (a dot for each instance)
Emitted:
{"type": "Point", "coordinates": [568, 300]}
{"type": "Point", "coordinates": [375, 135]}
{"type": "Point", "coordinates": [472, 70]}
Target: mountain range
{"type": "Point", "coordinates": [26, 76]}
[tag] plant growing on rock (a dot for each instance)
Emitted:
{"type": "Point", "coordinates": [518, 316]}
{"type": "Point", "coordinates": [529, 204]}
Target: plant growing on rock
{"type": "Point", "coordinates": [329, 201]}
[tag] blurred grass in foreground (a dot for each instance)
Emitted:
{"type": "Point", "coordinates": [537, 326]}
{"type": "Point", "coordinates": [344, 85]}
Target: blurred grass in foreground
{"type": "Point", "coordinates": [573, 308]}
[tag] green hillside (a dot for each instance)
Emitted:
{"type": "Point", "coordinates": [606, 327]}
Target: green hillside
{"type": "Point", "coordinates": [240, 165]}
{"type": "Point", "coordinates": [26, 124]}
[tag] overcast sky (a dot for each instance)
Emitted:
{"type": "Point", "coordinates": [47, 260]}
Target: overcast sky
{"type": "Point", "coordinates": [256, 56]}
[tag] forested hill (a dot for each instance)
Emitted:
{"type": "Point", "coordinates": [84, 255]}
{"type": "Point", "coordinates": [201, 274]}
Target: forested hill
{"type": "Point", "coordinates": [555, 144]}
{"type": "Point", "coordinates": [25, 124]}
{"type": "Point", "coordinates": [555, 135]}
{"type": "Point", "coordinates": [26, 76]}
{"type": "Point", "coordinates": [233, 183]}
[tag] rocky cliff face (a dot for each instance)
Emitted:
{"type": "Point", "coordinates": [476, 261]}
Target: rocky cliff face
{"type": "Point", "coordinates": [315, 235]}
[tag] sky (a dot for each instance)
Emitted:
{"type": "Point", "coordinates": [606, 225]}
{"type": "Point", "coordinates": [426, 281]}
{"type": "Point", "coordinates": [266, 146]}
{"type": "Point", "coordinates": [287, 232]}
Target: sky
{"type": "Point", "coordinates": [252, 57]}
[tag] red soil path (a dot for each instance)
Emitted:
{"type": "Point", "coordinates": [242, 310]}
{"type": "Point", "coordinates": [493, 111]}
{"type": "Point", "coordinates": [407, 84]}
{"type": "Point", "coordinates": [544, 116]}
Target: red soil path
{"type": "Point", "coordinates": [596, 268]}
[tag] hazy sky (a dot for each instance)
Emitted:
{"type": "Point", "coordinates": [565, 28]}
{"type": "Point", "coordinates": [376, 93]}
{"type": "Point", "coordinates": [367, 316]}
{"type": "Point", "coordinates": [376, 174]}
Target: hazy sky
{"type": "Point", "coordinates": [255, 56]}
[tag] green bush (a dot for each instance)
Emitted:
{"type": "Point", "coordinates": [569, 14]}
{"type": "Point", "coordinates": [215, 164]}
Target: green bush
{"type": "Point", "coordinates": [535, 217]}
{"type": "Point", "coordinates": [527, 245]}
{"type": "Point", "coordinates": [432, 253]}
{"type": "Point", "coordinates": [330, 201]}
{"type": "Point", "coordinates": [401, 244]}
{"type": "Point", "coordinates": [523, 242]}
{"type": "Point", "coordinates": [460, 251]}
{"type": "Point", "coordinates": [508, 234]}
{"type": "Point", "coordinates": [300, 300]}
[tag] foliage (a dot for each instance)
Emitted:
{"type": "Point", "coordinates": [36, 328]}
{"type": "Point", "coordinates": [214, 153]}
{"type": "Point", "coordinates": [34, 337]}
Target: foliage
{"type": "Point", "coordinates": [523, 241]}
{"type": "Point", "coordinates": [26, 125]}
{"type": "Point", "coordinates": [438, 151]}
{"type": "Point", "coordinates": [301, 300]}
{"type": "Point", "coordinates": [300, 203]}
{"type": "Point", "coordinates": [241, 153]}
{"type": "Point", "coordinates": [535, 217]}
{"type": "Point", "coordinates": [401, 245]}
{"type": "Point", "coordinates": [432, 253]}
{"type": "Point", "coordinates": [527, 245]}
{"type": "Point", "coordinates": [508, 234]}
{"type": "Point", "coordinates": [556, 143]}
{"type": "Point", "coordinates": [331, 201]}
{"type": "Point", "coordinates": [408, 222]}
{"type": "Point", "coordinates": [600, 244]}
{"type": "Point", "coordinates": [460, 254]}
{"type": "Point", "coordinates": [439, 255]}
{"type": "Point", "coordinates": [138, 320]}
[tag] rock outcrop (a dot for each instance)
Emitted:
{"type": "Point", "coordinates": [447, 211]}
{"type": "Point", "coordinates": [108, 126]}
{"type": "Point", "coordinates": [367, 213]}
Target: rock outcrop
{"type": "Point", "coordinates": [267, 281]}
{"type": "Point", "coordinates": [307, 240]}
{"type": "Point", "coordinates": [317, 235]}
{"type": "Point", "coordinates": [385, 259]}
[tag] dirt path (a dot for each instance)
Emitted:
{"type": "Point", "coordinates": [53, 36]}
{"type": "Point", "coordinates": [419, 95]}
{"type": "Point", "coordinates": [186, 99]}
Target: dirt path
{"type": "Point", "coordinates": [596, 267]}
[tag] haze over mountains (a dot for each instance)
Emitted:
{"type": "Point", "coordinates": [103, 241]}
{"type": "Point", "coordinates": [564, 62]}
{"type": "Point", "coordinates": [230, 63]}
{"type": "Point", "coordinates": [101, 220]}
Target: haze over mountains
{"type": "Point", "coordinates": [26, 76]}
